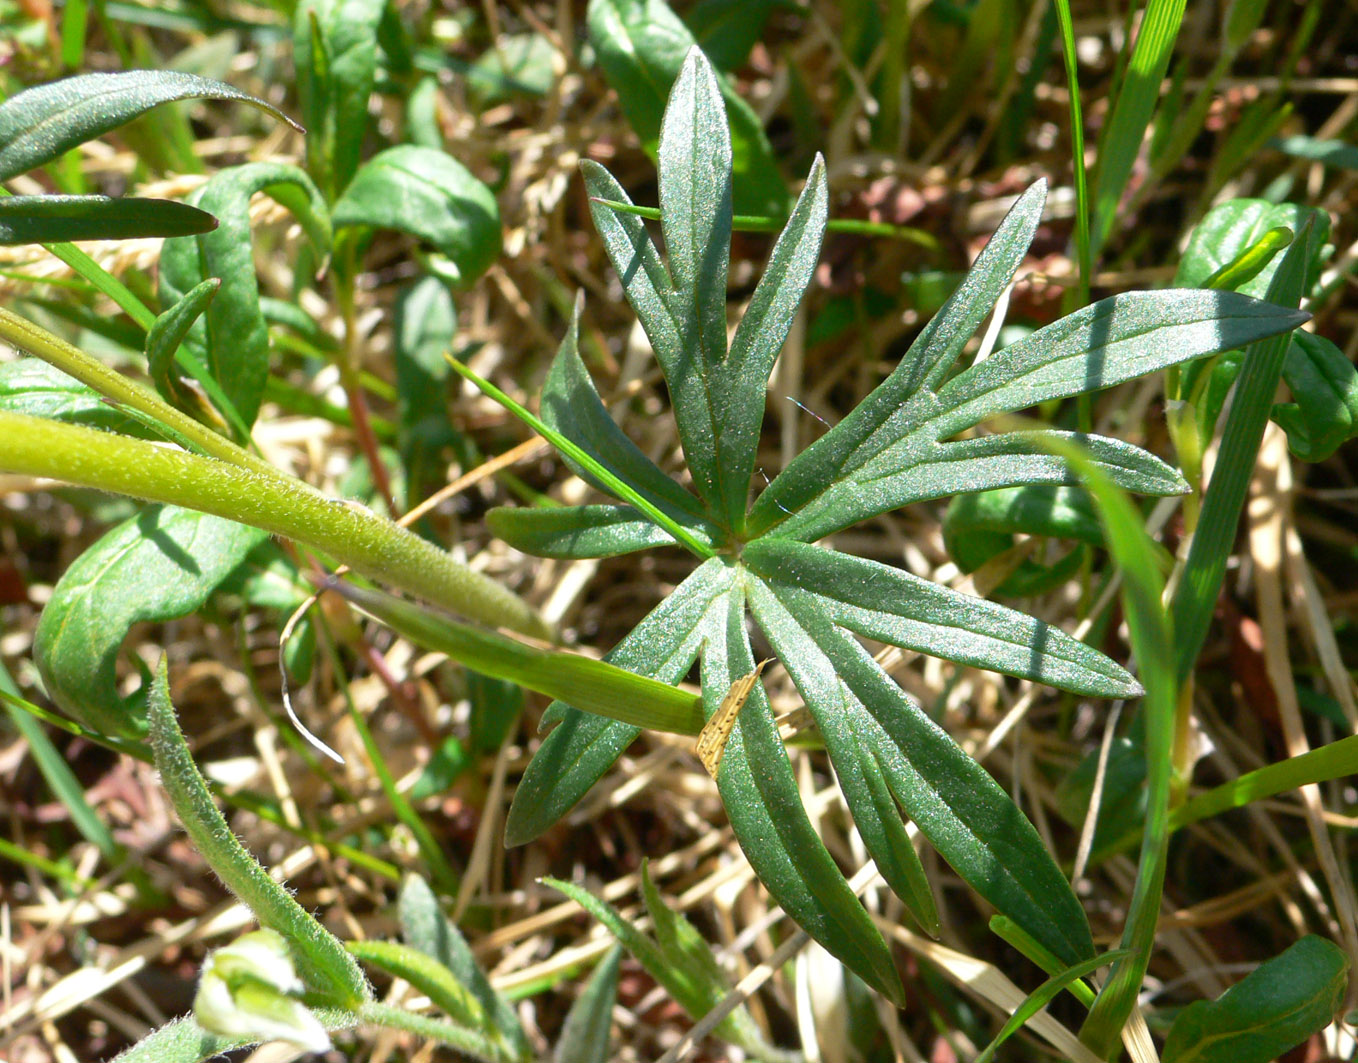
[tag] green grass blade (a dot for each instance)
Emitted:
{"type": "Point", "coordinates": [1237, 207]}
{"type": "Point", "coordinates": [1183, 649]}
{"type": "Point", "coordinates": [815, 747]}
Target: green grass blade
{"type": "Point", "coordinates": [1043, 995]}
{"type": "Point", "coordinates": [1132, 110]}
{"type": "Point", "coordinates": [615, 485]}
{"type": "Point", "coordinates": [1153, 646]}
{"type": "Point", "coordinates": [1200, 582]}
{"type": "Point", "coordinates": [1083, 245]}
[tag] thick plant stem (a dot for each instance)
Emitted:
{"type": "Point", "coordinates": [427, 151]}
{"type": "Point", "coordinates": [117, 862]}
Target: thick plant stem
{"type": "Point", "coordinates": [29, 337]}
{"type": "Point", "coordinates": [326, 965]}
{"type": "Point", "coordinates": [264, 498]}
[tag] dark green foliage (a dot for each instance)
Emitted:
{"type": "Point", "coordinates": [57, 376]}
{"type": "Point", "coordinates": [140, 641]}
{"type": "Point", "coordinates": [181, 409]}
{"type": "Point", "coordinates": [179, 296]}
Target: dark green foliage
{"type": "Point", "coordinates": [1272, 1009]}
{"type": "Point", "coordinates": [897, 446]}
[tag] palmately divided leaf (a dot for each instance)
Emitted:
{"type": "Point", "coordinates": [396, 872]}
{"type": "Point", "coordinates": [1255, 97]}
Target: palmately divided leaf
{"type": "Point", "coordinates": [572, 532]}
{"type": "Point", "coordinates": [917, 469]}
{"type": "Point", "coordinates": [963, 812]}
{"type": "Point", "coordinates": [42, 123]}
{"type": "Point", "coordinates": [582, 746]}
{"type": "Point", "coordinates": [571, 405]}
{"type": "Point", "coordinates": [923, 366]}
{"type": "Point", "coordinates": [759, 792]}
{"type": "Point", "coordinates": [893, 606]}
{"type": "Point", "coordinates": [860, 772]}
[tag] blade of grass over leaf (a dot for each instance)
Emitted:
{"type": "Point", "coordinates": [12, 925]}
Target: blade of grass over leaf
{"type": "Point", "coordinates": [924, 365]}
{"type": "Point", "coordinates": [1200, 581]}
{"type": "Point", "coordinates": [616, 486]}
{"type": "Point", "coordinates": [759, 223]}
{"type": "Point", "coordinates": [571, 406]}
{"type": "Point", "coordinates": [1153, 645]}
{"type": "Point", "coordinates": [576, 531]}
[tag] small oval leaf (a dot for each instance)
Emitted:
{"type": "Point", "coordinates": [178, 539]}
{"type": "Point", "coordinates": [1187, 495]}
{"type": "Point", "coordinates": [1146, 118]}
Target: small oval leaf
{"type": "Point", "coordinates": [433, 197]}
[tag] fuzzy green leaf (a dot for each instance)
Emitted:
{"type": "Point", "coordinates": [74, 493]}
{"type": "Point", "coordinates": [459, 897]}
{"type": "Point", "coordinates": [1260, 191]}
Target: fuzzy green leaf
{"type": "Point", "coordinates": [924, 365]}
{"type": "Point", "coordinates": [42, 123]}
{"type": "Point", "coordinates": [54, 219]}
{"type": "Point", "coordinates": [960, 808]}
{"type": "Point", "coordinates": [427, 975]}
{"type": "Point", "coordinates": [761, 798]}
{"type": "Point", "coordinates": [1275, 1007]}
{"type": "Point", "coordinates": [893, 606]}
{"type": "Point", "coordinates": [583, 746]}
{"type": "Point", "coordinates": [325, 965]}
{"type": "Point", "coordinates": [916, 469]}
{"type": "Point", "coordinates": [642, 45]}
{"type": "Point", "coordinates": [159, 565]}
{"type": "Point", "coordinates": [576, 531]}
{"type": "Point", "coordinates": [232, 338]}
{"type": "Point", "coordinates": [433, 197]}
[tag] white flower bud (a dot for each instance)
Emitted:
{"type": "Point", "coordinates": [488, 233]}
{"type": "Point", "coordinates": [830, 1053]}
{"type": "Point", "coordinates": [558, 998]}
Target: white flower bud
{"type": "Point", "coordinates": [244, 993]}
